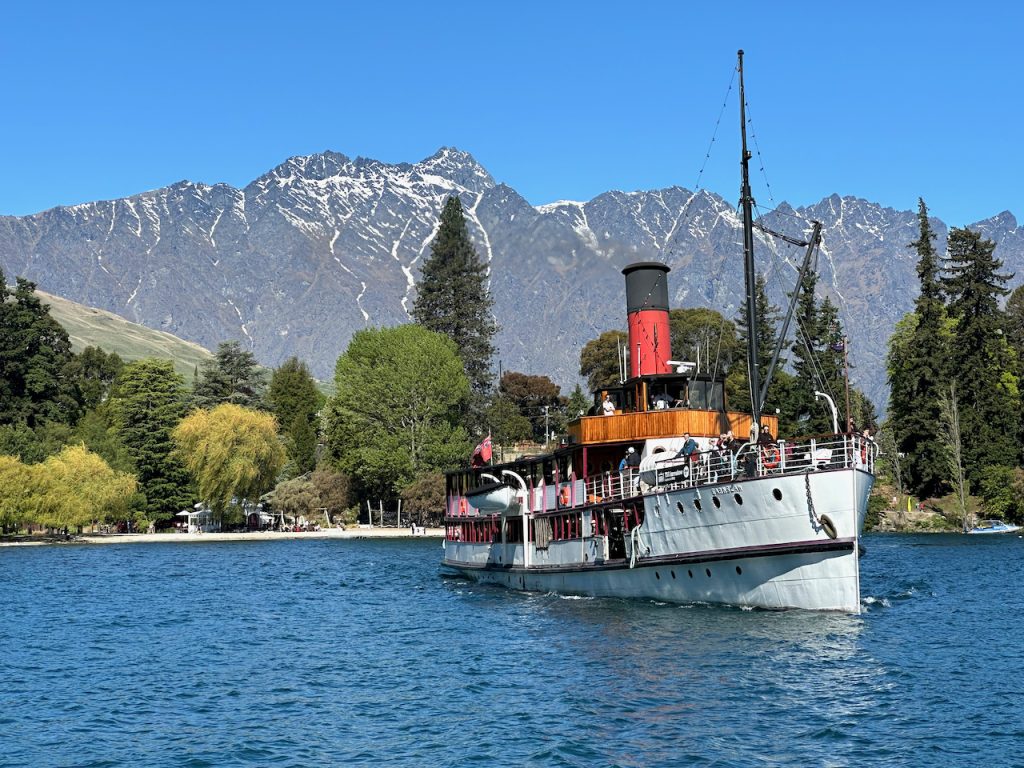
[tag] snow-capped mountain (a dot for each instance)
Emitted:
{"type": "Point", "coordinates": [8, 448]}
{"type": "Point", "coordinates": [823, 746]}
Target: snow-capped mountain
{"type": "Point", "coordinates": [324, 245]}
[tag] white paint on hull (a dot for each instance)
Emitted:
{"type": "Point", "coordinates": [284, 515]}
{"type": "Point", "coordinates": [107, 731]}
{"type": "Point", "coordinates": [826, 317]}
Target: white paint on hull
{"type": "Point", "coordinates": [734, 540]}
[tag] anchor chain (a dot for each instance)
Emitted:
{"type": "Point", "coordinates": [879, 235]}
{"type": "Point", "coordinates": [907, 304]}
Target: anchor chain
{"type": "Point", "coordinates": [818, 522]}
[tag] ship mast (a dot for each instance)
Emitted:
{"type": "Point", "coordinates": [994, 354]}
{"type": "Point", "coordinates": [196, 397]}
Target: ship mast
{"type": "Point", "coordinates": [750, 278]}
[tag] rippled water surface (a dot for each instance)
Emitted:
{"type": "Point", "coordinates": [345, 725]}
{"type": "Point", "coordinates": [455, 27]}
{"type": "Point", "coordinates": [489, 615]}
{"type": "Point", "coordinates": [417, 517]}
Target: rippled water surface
{"type": "Point", "coordinates": [333, 652]}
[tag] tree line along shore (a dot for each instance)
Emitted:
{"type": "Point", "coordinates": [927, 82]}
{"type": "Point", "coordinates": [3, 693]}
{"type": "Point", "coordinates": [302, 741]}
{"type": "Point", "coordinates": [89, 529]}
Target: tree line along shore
{"type": "Point", "coordinates": [88, 439]}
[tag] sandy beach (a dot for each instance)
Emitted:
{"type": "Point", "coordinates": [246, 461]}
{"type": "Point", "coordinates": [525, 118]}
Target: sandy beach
{"type": "Point", "coordinates": [157, 538]}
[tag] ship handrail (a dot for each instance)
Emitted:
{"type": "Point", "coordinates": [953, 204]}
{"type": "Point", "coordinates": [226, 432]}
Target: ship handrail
{"type": "Point", "coordinates": [790, 457]}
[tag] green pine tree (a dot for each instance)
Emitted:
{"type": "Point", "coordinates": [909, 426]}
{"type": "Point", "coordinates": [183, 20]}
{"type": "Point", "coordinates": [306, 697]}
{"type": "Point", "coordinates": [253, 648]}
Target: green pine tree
{"type": "Point", "coordinates": [812, 415]}
{"type": "Point", "coordinates": [980, 354]}
{"type": "Point", "coordinates": [738, 388]}
{"type": "Point", "coordinates": [918, 372]}
{"type": "Point", "coordinates": [34, 352]}
{"type": "Point", "coordinates": [295, 401]}
{"type": "Point", "coordinates": [147, 401]}
{"type": "Point", "coordinates": [232, 375]}
{"type": "Point", "coordinates": [453, 298]}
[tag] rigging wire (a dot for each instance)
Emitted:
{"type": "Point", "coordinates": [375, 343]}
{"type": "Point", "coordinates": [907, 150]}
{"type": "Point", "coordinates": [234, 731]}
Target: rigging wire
{"type": "Point", "coordinates": [760, 157]}
{"type": "Point", "coordinates": [685, 212]}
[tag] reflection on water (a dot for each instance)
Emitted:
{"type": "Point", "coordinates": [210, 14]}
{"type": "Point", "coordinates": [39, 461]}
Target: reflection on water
{"type": "Point", "coordinates": [359, 653]}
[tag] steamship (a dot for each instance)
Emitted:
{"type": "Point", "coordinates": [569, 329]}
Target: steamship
{"type": "Point", "coordinates": [761, 522]}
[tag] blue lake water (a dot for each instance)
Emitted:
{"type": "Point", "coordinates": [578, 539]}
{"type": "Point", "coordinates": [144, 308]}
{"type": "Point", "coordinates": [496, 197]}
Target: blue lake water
{"type": "Point", "coordinates": [332, 652]}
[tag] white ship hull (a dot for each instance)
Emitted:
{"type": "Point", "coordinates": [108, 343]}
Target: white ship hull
{"type": "Point", "coordinates": [776, 541]}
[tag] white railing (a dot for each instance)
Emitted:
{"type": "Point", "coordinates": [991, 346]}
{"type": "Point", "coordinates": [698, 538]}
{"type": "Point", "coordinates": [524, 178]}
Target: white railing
{"type": "Point", "coordinates": [704, 468]}
{"type": "Point", "coordinates": [716, 466]}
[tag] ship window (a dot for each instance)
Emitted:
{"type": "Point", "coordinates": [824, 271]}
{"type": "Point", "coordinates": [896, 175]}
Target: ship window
{"type": "Point", "coordinates": [739, 571]}
{"type": "Point", "coordinates": [777, 494]}
{"type": "Point", "coordinates": [679, 506]}
{"type": "Point", "coordinates": [738, 498]}
{"type": "Point", "coordinates": [708, 572]}
{"type": "Point", "coordinates": [690, 572]}
{"type": "Point", "coordinates": [699, 394]}
{"type": "Point", "coordinates": [657, 576]}
{"type": "Point", "coordinates": [549, 471]}
{"type": "Point", "coordinates": [673, 574]}
{"type": "Point", "coordinates": [715, 500]}
{"type": "Point", "coordinates": [696, 504]}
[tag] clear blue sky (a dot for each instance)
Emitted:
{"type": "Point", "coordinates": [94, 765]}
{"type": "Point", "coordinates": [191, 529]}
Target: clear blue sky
{"type": "Point", "coordinates": [558, 100]}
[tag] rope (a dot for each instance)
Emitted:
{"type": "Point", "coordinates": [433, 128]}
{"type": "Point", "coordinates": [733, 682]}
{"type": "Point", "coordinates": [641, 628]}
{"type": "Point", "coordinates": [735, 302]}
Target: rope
{"type": "Point", "coordinates": [636, 539]}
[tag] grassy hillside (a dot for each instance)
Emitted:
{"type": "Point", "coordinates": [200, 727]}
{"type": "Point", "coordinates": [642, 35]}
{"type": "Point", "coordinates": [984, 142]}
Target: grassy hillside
{"type": "Point", "coordinates": [88, 326]}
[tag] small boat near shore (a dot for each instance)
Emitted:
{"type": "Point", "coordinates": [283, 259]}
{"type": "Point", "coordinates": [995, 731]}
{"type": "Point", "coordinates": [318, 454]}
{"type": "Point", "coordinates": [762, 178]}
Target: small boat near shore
{"type": "Point", "coordinates": [994, 526]}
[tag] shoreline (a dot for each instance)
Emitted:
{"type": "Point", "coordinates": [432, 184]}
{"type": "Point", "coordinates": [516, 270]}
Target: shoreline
{"type": "Point", "coordinates": [35, 540]}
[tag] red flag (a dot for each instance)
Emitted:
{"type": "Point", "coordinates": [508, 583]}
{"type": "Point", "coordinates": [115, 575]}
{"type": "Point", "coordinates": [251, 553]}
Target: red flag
{"type": "Point", "coordinates": [482, 454]}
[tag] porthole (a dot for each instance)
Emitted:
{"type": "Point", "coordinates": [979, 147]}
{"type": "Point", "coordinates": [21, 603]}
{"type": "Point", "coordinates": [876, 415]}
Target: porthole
{"type": "Point", "coordinates": [739, 571]}
{"type": "Point", "coordinates": [673, 574]}
{"type": "Point", "coordinates": [716, 501]}
{"type": "Point", "coordinates": [777, 494]}
{"type": "Point", "coordinates": [738, 498]}
{"type": "Point", "coordinates": [679, 506]}
{"type": "Point", "coordinates": [708, 572]}
{"type": "Point", "coordinates": [691, 573]}
{"type": "Point", "coordinates": [657, 576]}
{"type": "Point", "coordinates": [696, 504]}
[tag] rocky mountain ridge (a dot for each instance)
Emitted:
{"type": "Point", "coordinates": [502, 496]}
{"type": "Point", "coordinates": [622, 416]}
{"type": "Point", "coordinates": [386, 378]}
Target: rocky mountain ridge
{"type": "Point", "coordinates": [323, 245]}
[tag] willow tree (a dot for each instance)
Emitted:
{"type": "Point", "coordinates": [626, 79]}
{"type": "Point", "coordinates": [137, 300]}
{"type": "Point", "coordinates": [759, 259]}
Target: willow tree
{"type": "Point", "coordinates": [233, 453]}
{"type": "Point", "coordinates": [15, 492]}
{"type": "Point", "coordinates": [75, 488]}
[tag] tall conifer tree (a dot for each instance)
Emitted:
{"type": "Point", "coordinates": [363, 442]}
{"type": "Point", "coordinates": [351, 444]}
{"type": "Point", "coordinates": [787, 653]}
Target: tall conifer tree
{"type": "Point", "coordinates": [980, 357]}
{"type": "Point", "coordinates": [34, 351]}
{"type": "Point", "coordinates": [295, 400]}
{"type": "Point", "coordinates": [147, 401]}
{"type": "Point", "coordinates": [813, 415]}
{"type": "Point", "coordinates": [452, 298]}
{"type": "Point", "coordinates": [768, 316]}
{"type": "Point", "coordinates": [918, 373]}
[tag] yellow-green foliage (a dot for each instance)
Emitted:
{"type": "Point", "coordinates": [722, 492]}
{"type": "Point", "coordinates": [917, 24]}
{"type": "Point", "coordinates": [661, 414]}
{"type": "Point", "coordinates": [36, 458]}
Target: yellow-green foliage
{"type": "Point", "coordinates": [231, 451]}
{"type": "Point", "coordinates": [74, 488]}
{"type": "Point", "coordinates": [15, 491]}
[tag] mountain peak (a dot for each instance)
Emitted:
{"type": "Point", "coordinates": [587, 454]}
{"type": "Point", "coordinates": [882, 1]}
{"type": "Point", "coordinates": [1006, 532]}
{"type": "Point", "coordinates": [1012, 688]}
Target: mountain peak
{"type": "Point", "coordinates": [458, 166]}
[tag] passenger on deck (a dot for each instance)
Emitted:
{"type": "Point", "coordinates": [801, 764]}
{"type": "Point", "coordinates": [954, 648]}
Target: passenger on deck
{"type": "Point", "coordinates": [663, 400]}
{"type": "Point", "coordinates": [689, 447]}
{"type": "Point", "coordinates": [608, 407]}
{"type": "Point", "coordinates": [630, 460]}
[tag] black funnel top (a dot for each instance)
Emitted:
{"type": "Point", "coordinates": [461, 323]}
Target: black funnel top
{"type": "Point", "coordinates": [646, 286]}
